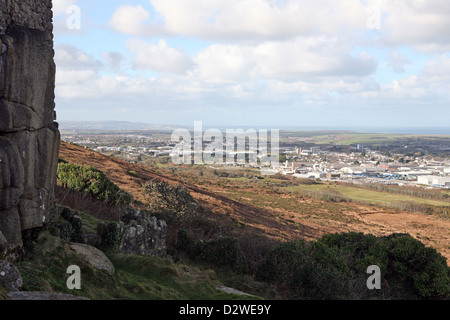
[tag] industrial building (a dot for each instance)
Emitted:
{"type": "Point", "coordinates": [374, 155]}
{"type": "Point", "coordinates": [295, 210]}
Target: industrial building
{"type": "Point", "coordinates": [434, 181]}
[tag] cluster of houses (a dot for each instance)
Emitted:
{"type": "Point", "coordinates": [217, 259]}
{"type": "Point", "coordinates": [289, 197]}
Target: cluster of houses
{"type": "Point", "coordinates": [345, 167]}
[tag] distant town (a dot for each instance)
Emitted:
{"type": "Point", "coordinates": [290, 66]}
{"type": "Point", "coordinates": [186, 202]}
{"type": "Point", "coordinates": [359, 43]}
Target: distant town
{"type": "Point", "coordinates": [415, 161]}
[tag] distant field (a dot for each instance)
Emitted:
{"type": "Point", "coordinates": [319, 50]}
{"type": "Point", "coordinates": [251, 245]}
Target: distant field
{"type": "Point", "coordinates": [373, 197]}
{"type": "Point", "coordinates": [312, 133]}
{"type": "Point", "coordinates": [349, 138]}
{"type": "Point", "coordinates": [368, 138]}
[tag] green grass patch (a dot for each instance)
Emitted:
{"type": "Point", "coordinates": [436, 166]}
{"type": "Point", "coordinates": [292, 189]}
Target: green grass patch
{"type": "Point", "coordinates": [136, 277]}
{"type": "Point", "coordinates": [3, 294]}
{"type": "Point", "coordinates": [155, 278]}
{"type": "Point", "coordinates": [134, 173]}
{"type": "Point", "coordinates": [372, 197]}
{"type": "Point", "coordinates": [90, 223]}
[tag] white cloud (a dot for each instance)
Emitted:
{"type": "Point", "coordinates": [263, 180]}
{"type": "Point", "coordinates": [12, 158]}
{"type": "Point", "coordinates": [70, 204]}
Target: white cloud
{"type": "Point", "coordinates": [68, 56]}
{"type": "Point", "coordinates": [249, 54]}
{"type": "Point", "coordinates": [398, 62]}
{"type": "Point", "coordinates": [135, 20]}
{"type": "Point", "coordinates": [422, 24]}
{"type": "Point", "coordinates": [310, 57]}
{"type": "Point", "coordinates": [222, 63]}
{"type": "Point", "coordinates": [240, 19]}
{"type": "Point", "coordinates": [158, 57]}
{"type": "Point", "coordinates": [290, 60]}
{"type": "Point", "coordinates": [130, 19]}
{"type": "Point", "coordinates": [113, 60]}
{"type": "Point", "coordinates": [61, 6]}
{"type": "Point", "coordinates": [438, 70]}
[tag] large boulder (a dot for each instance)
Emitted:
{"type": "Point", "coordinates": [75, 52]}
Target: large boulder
{"type": "Point", "coordinates": [94, 257]}
{"type": "Point", "coordinates": [42, 295]}
{"type": "Point", "coordinates": [29, 137]}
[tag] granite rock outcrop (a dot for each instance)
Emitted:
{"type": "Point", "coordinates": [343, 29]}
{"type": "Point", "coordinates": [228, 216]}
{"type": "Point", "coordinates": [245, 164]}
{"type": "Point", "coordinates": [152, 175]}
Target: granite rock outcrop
{"type": "Point", "coordinates": [29, 135]}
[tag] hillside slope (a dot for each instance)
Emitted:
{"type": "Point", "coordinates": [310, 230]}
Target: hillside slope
{"type": "Point", "coordinates": [267, 217]}
{"type": "Point", "coordinates": [118, 171]}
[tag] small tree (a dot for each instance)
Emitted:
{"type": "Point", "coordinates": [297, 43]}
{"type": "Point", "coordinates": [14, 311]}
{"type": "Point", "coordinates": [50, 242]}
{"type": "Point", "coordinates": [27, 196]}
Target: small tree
{"type": "Point", "coordinates": [174, 202]}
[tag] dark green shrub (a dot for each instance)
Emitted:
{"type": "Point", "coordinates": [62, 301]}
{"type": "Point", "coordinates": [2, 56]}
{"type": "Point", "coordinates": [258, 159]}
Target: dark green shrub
{"type": "Point", "coordinates": [421, 267]}
{"type": "Point", "coordinates": [307, 270]}
{"type": "Point", "coordinates": [183, 240]}
{"type": "Point", "coordinates": [220, 252]}
{"type": "Point", "coordinates": [281, 262]}
{"type": "Point", "coordinates": [360, 250]}
{"type": "Point", "coordinates": [72, 230]}
{"type": "Point", "coordinates": [110, 235]}
{"type": "Point", "coordinates": [174, 203]}
{"type": "Point", "coordinates": [92, 181]}
{"type": "Point", "coordinates": [409, 268]}
{"type": "Point", "coordinates": [335, 266]}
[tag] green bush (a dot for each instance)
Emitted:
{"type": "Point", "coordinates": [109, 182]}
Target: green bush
{"type": "Point", "coordinates": [173, 203]}
{"type": "Point", "coordinates": [421, 267]}
{"type": "Point", "coordinates": [222, 252]}
{"type": "Point", "coordinates": [183, 240]}
{"type": "Point", "coordinates": [219, 252]}
{"type": "Point", "coordinates": [359, 250]}
{"type": "Point", "coordinates": [93, 181]}
{"type": "Point", "coordinates": [72, 230]}
{"type": "Point", "coordinates": [335, 266]}
{"type": "Point", "coordinates": [110, 235]}
{"type": "Point", "coordinates": [307, 270]}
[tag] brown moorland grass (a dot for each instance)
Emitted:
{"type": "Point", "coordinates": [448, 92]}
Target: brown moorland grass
{"type": "Point", "coordinates": [262, 211]}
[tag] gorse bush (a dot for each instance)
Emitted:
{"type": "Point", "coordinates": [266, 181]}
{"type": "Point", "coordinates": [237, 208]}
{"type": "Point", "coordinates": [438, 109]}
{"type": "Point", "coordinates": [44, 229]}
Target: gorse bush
{"type": "Point", "coordinates": [223, 252]}
{"type": "Point", "coordinates": [420, 266]}
{"type": "Point", "coordinates": [72, 230]}
{"type": "Point", "coordinates": [93, 181]}
{"type": "Point", "coordinates": [306, 270]}
{"type": "Point", "coordinates": [404, 261]}
{"type": "Point", "coordinates": [110, 235]}
{"type": "Point", "coordinates": [359, 250]}
{"type": "Point", "coordinates": [335, 266]}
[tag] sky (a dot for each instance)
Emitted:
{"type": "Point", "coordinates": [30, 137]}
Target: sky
{"type": "Point", "coordinates": [273, 63]}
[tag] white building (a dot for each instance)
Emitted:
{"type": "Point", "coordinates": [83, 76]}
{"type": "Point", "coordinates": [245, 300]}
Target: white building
{"type": "Point", "coordinates": [434, 180]}
{"type": "Point", "coordinates": [310, 175]}
{"type": "Point", "coordinates": [353, 170]}
{"type": "Point", "coordinates": [447, 171]}
{"type": "Point", "coordinates": [412, 174]}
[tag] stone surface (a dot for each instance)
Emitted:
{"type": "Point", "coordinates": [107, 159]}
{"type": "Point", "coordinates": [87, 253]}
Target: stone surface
{"type": "Point", "coordinates": [3, 246]}
{"type": "Point", "coordinates": [143, 234]}
{"type": "Point", "coordinates": [29, 137]}
{"type": "Point", "coordinates": [42, 295]}
{"type": "Point", "coordinates": [93, 256]}
{"type": "Point", "coordinates": [232, 291]}
{"type": "Point", "coordinates": [10, 277]}
{"type": "Point", "coordinates": [33, 14]}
